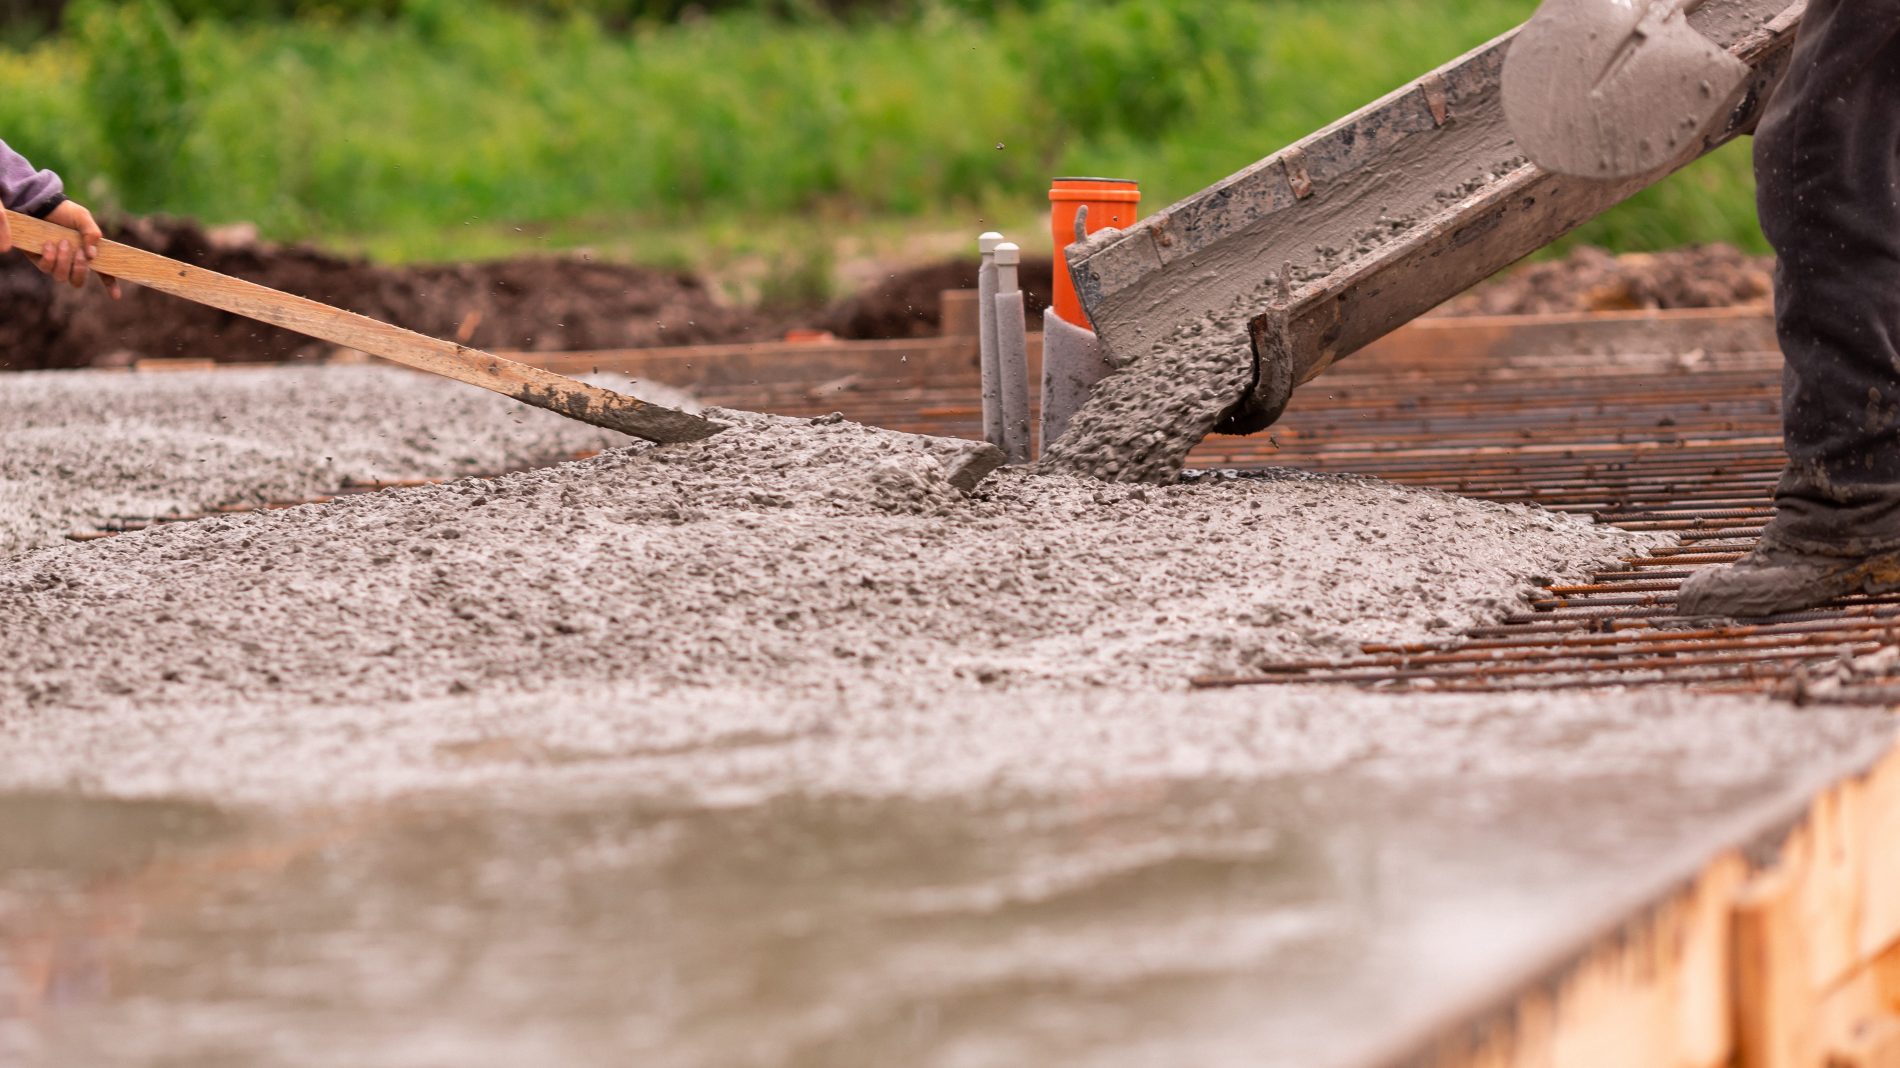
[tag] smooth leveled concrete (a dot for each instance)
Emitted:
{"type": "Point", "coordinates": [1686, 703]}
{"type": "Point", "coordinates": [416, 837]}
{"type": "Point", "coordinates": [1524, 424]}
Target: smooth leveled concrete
{"type": "Point", "coordinates": [598, 876]}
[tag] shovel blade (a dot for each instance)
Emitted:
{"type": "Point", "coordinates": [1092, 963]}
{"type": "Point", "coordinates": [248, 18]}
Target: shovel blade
{"type": "Point", "coordinates": [1614, 88]}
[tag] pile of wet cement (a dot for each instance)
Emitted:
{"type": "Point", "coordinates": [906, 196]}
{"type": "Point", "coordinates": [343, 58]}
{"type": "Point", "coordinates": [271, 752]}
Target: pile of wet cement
{"type": "Point", "coordinates": [1142, 421]}
{"type": "Point", "coordinates": [754, 726]}
{"type": "Point", "coordinates": [909, 303]}
{"type": "Point", "coordinates": [80, 448]}
{"type": "Point", "coordinates": [783, 556]}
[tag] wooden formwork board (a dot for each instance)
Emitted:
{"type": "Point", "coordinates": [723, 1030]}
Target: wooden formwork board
{"type": "Point", "coordinates": [1791, 960]}
{"type": "Point", "coordinates": [1581, 337]}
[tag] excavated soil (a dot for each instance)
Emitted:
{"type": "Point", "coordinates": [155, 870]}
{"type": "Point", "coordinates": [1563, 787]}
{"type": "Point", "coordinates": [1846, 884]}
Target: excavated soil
{"type": "Point", "coordinates": [784, 555]}
{"type": "Point", "coordinates": [1590, 279]}
{"type": "Point", "coordinates": [910, 303]}
{"type": "Point", "coordinates": [536, 304]}
{"type": "Point", "coordinates": [566, 303]}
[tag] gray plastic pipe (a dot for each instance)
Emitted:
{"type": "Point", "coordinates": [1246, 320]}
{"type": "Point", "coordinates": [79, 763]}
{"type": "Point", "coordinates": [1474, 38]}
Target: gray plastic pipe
{"type": "Point", "coordinates": [1072, 358]}
{"type": "Point", "coordinates": [1012, 354]}
{"type": "Point", "coordinates": [986, 339]}
{"type": "Point", "coordinates": [1072, 365]}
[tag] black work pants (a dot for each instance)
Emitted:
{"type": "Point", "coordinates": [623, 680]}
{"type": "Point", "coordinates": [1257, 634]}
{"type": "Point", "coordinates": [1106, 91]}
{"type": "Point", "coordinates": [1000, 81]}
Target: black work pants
{"type": "Point", "coordinates": [1827, 163]}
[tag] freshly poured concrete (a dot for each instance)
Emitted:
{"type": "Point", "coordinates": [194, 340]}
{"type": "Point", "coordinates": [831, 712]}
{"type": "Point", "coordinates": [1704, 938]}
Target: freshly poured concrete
{"type": "Point", "coordinates": [788, 555]}
{"type": "Point", "coordinates": [79, 448]}
{"type": "Point", "coordinates": [1342, 237]}
{"type": "Point", "coordinates": [596, 878]}
{"type": "Point", "coordinates": [777, 749]}
{"type": "Point", "coordinates": [1141, 422]}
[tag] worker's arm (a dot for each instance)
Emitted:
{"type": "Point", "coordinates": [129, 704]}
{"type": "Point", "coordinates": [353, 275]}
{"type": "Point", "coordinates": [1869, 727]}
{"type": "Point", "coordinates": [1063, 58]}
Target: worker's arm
{"type": "Point", "coordinates": [26, 190]}
{"type": "Point", "coordinates": [41, 194]}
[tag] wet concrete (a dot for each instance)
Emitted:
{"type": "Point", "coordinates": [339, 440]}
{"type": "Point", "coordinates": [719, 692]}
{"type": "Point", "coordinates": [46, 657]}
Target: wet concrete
{"type": "Point", "coordinates": [78, 448]}
{"type": "Point", "coordinates": [790, 556]}
{"type": "Point", "coordinates": [1343, 237]}
{"type": "Point", "coordinates": [1376, 872]}
{"type": "Point", "coordinates": [780, 749]}
{"type": "Point", "coordinates": [1140, 422]}
{"type": "Point", "coordinates": [1603, 89]}
{"type": "Point", "coordinates": [1174, 297]}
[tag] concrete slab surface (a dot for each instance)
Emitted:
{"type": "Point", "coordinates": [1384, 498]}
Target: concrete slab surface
{"type": "Point", "coordinates": [1276, 878]}
{"type": "Point", "coordinates": [80, 447]}
{"type": "Point", "coordinates": [777, 750]}
{"type": "Point", "coordinates": [784, 555]}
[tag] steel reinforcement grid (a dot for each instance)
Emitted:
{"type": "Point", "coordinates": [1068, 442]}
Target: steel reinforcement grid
{"type": "Point", "coordinates": [1687, 443]}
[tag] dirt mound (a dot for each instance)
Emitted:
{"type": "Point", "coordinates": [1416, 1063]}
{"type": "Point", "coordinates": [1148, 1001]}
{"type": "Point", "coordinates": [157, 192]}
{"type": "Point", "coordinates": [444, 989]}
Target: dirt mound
{"type": "Point", "coordinates": [537, 304]}
{"type": "Point", "coordinates": [554, 304]}
{"type": "Point", "coordinates": [910, 303]}
{"type": "Point", "coordinates": [1590, 279]}
{"type": "Point", "coordinates": [545, 304]}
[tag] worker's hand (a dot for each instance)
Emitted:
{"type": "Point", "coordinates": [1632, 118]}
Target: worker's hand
{"type": "Point", "coordinates": [68, 263]}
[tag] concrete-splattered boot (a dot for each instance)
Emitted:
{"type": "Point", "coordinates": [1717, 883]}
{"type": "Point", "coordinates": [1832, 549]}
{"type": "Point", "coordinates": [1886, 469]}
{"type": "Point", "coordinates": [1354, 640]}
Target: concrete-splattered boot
{"type": "Point", "coordinates": [1775, 579]}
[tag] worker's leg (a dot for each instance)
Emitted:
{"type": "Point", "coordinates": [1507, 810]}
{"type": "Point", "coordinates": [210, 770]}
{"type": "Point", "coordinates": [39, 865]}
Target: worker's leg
{"type": "Point", "coordinates": [1827, 160]}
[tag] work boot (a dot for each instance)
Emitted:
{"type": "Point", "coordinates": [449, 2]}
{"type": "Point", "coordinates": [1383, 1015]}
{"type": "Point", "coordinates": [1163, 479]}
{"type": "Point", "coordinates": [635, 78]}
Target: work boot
{"type": "Point", "coordinates": [1774, 579]}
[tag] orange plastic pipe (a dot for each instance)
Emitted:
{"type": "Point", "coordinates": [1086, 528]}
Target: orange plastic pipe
{"type": "Point", "coordinates": [1111, 202]}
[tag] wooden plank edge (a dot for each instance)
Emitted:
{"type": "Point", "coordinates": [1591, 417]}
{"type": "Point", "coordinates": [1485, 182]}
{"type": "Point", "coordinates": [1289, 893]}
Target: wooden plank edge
{"type": "Point", "coordinates": [1424, 344]}
{"type": "Point", "coordinates": [1791, 962]}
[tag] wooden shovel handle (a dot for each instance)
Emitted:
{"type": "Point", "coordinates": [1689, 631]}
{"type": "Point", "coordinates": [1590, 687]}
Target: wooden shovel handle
{"type": "Point", "coordinates": [529, 385]}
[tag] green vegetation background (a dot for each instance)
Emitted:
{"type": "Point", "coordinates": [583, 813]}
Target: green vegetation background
{"type": "Point", "coordinates": [443, 128]}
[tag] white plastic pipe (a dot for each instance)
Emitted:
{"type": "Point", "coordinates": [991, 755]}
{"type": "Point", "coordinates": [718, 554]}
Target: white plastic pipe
{"type": "Point", "coordinates": [986, 338]}
{"type": "Point", "coordinates": [1012, 352]}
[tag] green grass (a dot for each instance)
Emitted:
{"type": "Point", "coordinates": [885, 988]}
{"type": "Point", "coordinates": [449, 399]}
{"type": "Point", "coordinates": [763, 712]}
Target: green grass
{"type": "Point", "coordinates": [459, 130]}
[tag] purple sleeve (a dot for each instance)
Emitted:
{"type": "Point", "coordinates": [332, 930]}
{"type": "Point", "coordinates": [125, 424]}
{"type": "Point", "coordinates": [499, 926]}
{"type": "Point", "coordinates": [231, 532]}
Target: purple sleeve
{"type": "Point", "coordinates": [26, 190]}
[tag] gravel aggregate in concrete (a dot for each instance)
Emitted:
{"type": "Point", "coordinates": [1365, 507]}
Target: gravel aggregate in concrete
{"type": "Point", "coordinates": [78, 448]}
{"type": "Point", "coordinates": [859, 768]}
{"type": "Point", "coordinates": [1142, 421]}
{"type": "Point", "coordinates": [726, 746]}
{"type": "Point", "coordinates": [790, 556]}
